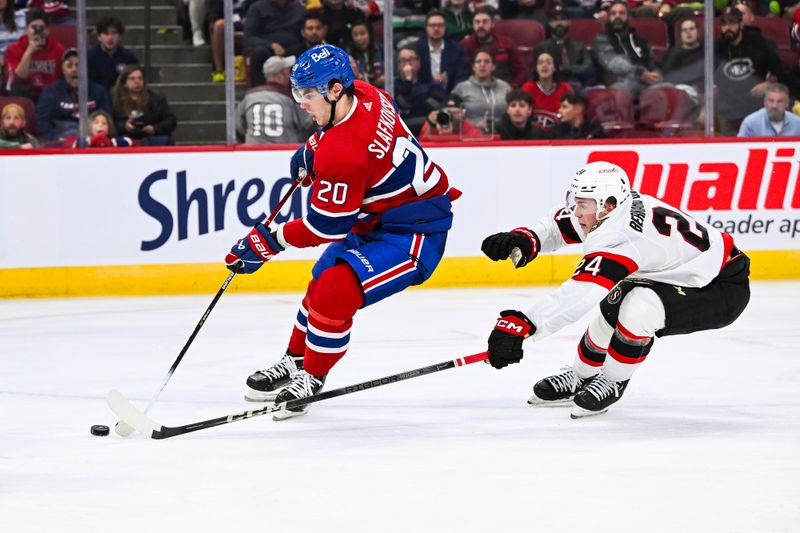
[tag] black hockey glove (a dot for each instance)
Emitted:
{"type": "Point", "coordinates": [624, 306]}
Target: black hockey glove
{"type": "Point", "coordinates": [505, 341]}
{"type": "Point", "coordinates": [501, 246]}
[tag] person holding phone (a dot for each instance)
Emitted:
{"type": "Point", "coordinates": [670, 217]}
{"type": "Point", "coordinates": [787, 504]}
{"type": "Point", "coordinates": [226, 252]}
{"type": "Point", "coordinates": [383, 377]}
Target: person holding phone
{"type": "Point", "coordinates": [34, 61]}
{"type": "Point", "coordinates": [139, 112]}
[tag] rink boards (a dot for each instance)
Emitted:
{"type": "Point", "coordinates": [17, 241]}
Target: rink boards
{"type": "Point", "coordinates": [131, 222]}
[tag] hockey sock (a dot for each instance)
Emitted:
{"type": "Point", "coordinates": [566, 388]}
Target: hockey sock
{"type": "Point", "coordinates": [641, 314]}
{"type": "Point", "coordinates": [297, 341]}
{"type": "Point", "coordinates": [333, 303]}
{"type": "Point", "coordinates": [592, 348]}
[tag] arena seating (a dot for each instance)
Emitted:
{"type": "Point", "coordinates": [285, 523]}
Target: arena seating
{"type": "Point", "coordinates": [655, 32]}
{"type": "Point", "coordinates": [66, 34]}
{"type": "Point", "coordinates": [584, 30]}
{"type": "Point", "coordinates": [666, 108]}
{"type": "Point", "coordinates": [613, 108]}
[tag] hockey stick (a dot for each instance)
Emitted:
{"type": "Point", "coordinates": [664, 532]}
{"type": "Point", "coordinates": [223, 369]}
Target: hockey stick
{"type": "Point", "coordinates": [121, 427]}
{"type": "Point", "coordinates": [127, 412]}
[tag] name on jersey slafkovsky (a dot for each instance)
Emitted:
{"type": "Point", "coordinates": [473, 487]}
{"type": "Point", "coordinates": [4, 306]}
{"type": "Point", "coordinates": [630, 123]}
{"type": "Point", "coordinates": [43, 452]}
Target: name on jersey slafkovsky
{"type": "Point", "coordinates": [637, 213]}
{"type": "Point", "coordinates": [383, 131]}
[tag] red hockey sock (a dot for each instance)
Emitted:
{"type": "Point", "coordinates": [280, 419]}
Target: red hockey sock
{"type": "Point", "coordinates": [333, 303]}
{"type": "Point", "coordinates": [297, 341]}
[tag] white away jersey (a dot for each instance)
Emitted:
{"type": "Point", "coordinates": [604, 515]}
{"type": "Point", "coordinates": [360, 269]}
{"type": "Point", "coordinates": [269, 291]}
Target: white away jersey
{"type": "Point", "coordinates": [644, 237]}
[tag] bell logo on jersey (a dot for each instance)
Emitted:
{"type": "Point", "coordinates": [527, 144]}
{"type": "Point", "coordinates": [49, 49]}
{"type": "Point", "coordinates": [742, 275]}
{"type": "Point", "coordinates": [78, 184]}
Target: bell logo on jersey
{"type": "Point", "coordinates": [322, 55]}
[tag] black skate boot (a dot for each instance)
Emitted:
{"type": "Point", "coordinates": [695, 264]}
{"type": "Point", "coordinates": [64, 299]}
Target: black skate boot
{"type": "Point", "coordinates": [597, 396]}
{"type": "Point", "coordinates": [557, 389]}
{"type": "Point", "coordinates": [264, 385]}
{"type": "Point", "coordinates": [303, 385]}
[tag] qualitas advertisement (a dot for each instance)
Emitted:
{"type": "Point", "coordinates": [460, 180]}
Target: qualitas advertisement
{"type": "Point", "coordinates": [132, 208]}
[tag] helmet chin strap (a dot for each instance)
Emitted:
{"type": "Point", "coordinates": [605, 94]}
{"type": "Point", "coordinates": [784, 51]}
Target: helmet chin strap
{"type": "Point", "coordinates": [333, 112]}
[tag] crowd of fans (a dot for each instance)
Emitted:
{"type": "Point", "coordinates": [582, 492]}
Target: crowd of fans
{"type": "Point", "coordinates": [500, 69]}
{"type": "Point", "coordinates": [39, 73]}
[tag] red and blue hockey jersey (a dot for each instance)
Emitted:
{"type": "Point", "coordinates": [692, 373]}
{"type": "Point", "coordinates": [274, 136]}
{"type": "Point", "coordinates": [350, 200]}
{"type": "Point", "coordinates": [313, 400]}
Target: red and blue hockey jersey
{"type": "Point", "coordinates": [364, 166]}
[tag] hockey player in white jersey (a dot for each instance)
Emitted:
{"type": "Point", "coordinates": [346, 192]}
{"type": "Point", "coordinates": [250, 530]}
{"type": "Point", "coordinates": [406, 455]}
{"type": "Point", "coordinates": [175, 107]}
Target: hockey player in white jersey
{"type": "Point", "coordinates": [653, 269]}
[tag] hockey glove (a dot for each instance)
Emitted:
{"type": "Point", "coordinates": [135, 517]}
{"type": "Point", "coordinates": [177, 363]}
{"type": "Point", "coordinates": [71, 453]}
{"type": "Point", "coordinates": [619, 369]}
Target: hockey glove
{"type": "Point", "coordinates": [505, 341]}
{"type": "Point", "coordinates": [302, 165]}
{"type": "Point", "coordinates": [521, 245]}
{"type": "Point", "coordinates": [250, 253]}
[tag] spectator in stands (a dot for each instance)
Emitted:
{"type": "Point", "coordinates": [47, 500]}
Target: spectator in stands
{"type": "Point", "coordinates": [197, 20]}
{"type": "Point", "coordinates": [457, 18]}
{"type": "Point", "coordinates": [367, 52]}
{"type": "Point", "coordinates": [139, 112]}
{"type": "Point", "coordinates": [517, 123]}
{"type": "Point", "coordinates": [34, 61]}
{"type": "Point", "coordinates": [339, 16]}
{"type": "Point", "coordinates": [216, 13]}
{"type": "Point", "coordinates": [102, 134]}
{"type": "Point", "coordinates": [523, 9]}
{"type": "Point", "coordinates": [12, 25]}
{"type": "Point", "coordinates": [746, 63]}
{"type": "Point", "coordinates": [546, 89]}
{"type": "Point", "coordinates": [12, 129]}
{"type": "Point", "coordinates": [625, 59]}
{"type": "Point", "coordinates": [107, 58]}
{"type": "Point", "coordinates": [443, 60]}
{"type": "Point", "coordinates": [684, 62]}
{"type": "Point", "coordinates": [268, 113]}
{"type": "Point", "coordinates": [272, 27]}
{"type": "Point", "coordinates": [414, 98]}
{"type": "Point", "coordinates": [57, 111]}
{"type": "Point", "coordinates": [483, 95]}
{"type": "Point", "coordinates": [575, 61]}
{"type": "Point", "coordinates": [56, 10]}
{"type": "Point", "coordinates": [508, 59]}
{"type": "Point", "coordinates": [573, 122]}
{"type": "Point", "coordinates": [314, 30]}
{"type": "Point", "coordinates": [772, 120]}
{"type": "Point", "coordinates": [448, 121]}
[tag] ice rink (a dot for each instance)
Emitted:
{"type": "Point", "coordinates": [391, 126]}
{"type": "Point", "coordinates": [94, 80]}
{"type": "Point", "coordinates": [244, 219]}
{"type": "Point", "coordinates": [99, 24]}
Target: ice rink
{"type": "Point", "coordinates": [706, 438]}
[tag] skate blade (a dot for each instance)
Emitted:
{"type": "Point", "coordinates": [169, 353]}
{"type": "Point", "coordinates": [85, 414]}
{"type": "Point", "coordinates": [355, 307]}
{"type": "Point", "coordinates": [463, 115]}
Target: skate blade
{"type": "Point", "coordinates": [252, 395]}
{"type": "Point", "coordinates": [286, 414]}
{"type": "Point", "coordinates": [535, 401]}
{"type": "Point", "coordinates": [580, 412]}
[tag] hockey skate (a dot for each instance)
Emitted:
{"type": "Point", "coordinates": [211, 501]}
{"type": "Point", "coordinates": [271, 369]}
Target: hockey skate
{"type": "Point", "coordinates": [597, 396]}
{"type": "Point", "coordinates": [558, 389]}
{"type": "Point", "coordinates": [303, 385]}
{"type": "Point", "coordinates": [265, 384]}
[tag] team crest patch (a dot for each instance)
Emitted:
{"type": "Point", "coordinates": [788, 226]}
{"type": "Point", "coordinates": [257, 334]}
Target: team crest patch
{"type": "Point", "coordinates": [368, 105]}
{"type": "Point", "coordinates": [615, 295]}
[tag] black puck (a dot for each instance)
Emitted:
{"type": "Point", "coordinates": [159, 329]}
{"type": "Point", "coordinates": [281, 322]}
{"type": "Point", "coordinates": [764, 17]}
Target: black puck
{"type": "Point", "coordinates": [99, 431]}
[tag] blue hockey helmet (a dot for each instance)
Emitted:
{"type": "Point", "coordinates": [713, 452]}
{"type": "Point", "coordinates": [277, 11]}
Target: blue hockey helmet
{"type": "Point", "coordinates": [317, 66]}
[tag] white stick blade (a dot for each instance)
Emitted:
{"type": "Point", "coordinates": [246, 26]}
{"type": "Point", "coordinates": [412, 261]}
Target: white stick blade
{"type": "Point", "coordinates": [130, 415]}
{"type": "Point", "coordinates": [123, 429]}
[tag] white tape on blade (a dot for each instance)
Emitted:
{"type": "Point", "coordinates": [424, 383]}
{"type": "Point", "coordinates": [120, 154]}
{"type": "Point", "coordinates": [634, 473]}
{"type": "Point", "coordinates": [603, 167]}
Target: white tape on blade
{"type": "Point", "coordinates": [515, 256]}
{"type": "Point", "coordinates": [130, 414]}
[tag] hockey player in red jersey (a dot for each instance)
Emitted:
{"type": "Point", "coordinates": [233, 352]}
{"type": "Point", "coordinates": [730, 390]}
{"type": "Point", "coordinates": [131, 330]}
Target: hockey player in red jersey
{"type": "Point", "coordinates": [377, 198]}
{"type": "Point", "coordinates": [653, 269]}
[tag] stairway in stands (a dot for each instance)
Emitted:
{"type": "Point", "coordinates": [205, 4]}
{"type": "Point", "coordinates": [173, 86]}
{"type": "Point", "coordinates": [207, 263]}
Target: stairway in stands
{"type": "Point", "coordinates": [178, 70]}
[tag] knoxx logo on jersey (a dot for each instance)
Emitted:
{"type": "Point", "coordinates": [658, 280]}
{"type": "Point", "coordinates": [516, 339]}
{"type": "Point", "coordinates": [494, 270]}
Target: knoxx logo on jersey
{"type": "Point", "coordinates": [180, 210]}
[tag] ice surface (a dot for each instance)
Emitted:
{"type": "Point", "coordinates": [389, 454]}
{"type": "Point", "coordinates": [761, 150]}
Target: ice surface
{"type": "Point", "coordinates": [706, 439]}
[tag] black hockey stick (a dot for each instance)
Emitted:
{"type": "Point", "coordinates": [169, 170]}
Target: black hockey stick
{"type": "Point", "coordinates": [127, 412]}
{"type": "Point", "coordinates": [125, 430]}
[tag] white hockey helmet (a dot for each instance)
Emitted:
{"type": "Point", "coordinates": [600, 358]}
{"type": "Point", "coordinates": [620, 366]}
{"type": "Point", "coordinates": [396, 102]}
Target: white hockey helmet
{"type": "Point", "coordinates": [599, 181]}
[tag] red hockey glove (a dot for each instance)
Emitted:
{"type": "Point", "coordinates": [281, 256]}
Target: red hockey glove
{"type": "Point", "coordinates": [505, 341]}
{"type": "Point", "coordinates": [250, 253]}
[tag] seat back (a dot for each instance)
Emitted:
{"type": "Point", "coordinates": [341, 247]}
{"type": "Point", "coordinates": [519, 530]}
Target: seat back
{"type": "Point", "coordinates": [28, 106]}
{"type": "Point", "coordinates": [613, 108]}
{"type": "Point", "coordinates": [584, 30]}
{"type": "Point", "coordinates": [66, 34]}
{"type": "Point", "coordinates": [654, 31]}
{"type": "Point", "coordinates": [525, 33]}
{"type": "Point", "coordinates": [666, 107]}
{"type": "Point", "coordinates": [778, 30]}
